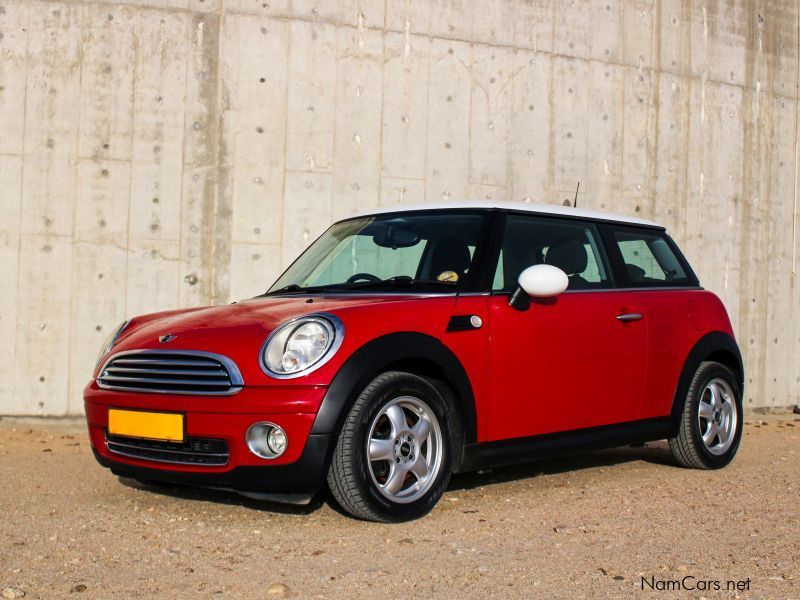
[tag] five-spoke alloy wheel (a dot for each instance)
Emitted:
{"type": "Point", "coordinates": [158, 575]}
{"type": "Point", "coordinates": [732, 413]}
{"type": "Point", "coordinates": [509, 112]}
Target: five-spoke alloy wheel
{"type": "Point", "coordinates": [404, 449]}
{"type": "Point", "coordinates": [394, 455]}
{"type": "Point", "coordinates": [711, 421]}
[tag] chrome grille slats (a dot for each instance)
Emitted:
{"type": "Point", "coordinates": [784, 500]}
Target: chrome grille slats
{"type": "Point", "coordinates": [171, 372]}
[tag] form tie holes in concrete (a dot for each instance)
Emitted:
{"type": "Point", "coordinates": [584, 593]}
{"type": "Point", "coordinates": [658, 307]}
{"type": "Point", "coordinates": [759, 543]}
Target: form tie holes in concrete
{"type": "Point", "coordinates": [191, 279]}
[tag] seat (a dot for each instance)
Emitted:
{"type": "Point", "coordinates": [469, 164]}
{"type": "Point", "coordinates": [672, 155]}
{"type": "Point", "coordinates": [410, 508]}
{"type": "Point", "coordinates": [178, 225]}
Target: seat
{"type": "Point", "coordinates": [450, 254]}
{"type": "Point", "coordinates": [635, 274]}
{"type": "Point", "coordinates": [569, 255]}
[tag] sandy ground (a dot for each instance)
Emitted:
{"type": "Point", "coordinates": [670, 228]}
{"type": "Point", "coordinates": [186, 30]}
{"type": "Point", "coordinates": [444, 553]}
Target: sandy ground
{"type": "Point", "coordinates": [588, 526]}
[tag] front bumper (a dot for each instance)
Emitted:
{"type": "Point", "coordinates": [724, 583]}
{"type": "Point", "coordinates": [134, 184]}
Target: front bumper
{"type": "Point", "coordinates": [301, 470]}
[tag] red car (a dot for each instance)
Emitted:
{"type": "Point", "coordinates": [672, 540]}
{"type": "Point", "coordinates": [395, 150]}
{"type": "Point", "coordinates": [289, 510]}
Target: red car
{"type": "Point", "coordinates": [406, 345]}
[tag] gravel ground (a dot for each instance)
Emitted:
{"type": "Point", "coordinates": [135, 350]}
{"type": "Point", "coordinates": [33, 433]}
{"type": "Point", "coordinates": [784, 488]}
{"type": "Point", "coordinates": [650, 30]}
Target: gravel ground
{"type": "Point", "coordinates": [588, 526]}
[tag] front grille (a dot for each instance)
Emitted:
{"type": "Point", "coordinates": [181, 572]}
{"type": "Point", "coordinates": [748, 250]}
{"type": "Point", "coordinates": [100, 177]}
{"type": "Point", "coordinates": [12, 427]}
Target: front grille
{"type": "Point", "coordinates": [195, 451]}
{"type": "Point", "coordinates": [171, 372]}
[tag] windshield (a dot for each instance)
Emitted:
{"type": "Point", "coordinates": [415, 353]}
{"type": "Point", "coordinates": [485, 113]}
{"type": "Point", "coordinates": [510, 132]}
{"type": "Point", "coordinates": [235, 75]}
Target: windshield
{"type": "Point", "coordinates": [429, 251]}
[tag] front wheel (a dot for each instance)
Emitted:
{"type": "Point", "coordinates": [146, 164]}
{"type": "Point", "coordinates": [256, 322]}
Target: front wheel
{"type": "Point", "coordinates": [711, 422]}
{"type": "Point", "coordinates": [393, 458]}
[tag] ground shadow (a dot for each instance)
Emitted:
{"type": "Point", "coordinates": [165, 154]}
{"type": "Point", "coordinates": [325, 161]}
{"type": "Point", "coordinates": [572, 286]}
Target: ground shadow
{"type": "Point", "coordinates": [654, 453]}
{"type": "Point", "coordinates": [228, 497]}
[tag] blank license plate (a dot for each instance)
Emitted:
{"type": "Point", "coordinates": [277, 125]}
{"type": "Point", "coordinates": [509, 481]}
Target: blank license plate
{"type": "Point", "coordinates": [147, 425]}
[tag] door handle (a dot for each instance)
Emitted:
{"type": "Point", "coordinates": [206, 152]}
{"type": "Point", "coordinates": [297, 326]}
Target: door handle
{"type": "Point", "coordinates": [630, 317]}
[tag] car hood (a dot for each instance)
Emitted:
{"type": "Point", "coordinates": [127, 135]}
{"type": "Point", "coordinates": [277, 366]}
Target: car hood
{"type": "Point", "coordinates": [239, 330]}
{"type": "Point", "coordinates": [264, 314]}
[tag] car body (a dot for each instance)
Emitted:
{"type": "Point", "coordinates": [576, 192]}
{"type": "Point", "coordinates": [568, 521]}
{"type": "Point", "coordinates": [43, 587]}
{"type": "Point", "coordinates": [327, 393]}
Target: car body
{"type": "Point", "coordinates": [500, 331]}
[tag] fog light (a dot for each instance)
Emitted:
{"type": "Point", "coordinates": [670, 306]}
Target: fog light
{"type": "Point", "coordinates": [276, 440]}
{"type": "Point", "coordinates": [266, 440]}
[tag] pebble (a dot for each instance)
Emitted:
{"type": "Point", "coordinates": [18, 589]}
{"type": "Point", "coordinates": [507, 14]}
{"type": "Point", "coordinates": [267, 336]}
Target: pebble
{"type": "Point", "coordinates": [11, 592]}
{"type": "Point", "coordinates": [277, 590]}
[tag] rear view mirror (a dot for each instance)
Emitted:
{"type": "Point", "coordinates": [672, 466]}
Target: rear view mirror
{"type": "Point", "coordinates": [396, 236]}
{"type": "Point", "coordinates": [538, 281]}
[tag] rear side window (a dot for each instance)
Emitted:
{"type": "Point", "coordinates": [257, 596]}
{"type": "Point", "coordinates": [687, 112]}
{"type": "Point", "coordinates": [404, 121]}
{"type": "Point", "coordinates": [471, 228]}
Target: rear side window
{"type": "Point", "coordinates": [649, 259]}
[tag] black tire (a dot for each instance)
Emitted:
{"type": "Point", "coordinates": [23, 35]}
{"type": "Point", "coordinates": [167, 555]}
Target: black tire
{"type": "Point", "coordinates": [687, 446]}
{"type": "Point", "coordinates": [349, 476]}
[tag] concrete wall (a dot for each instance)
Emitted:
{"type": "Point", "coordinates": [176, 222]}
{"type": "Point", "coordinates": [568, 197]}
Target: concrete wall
{"type": "Point", "coordinates": [165, 153]}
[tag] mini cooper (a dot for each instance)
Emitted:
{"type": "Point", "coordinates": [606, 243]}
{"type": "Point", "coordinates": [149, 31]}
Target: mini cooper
{"type": "Point", "coordinates": [407, 345]}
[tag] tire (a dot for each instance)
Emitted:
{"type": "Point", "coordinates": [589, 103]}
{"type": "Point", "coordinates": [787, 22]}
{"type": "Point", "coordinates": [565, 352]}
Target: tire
{"type": "Point", "coordinates": [696, 444]}
{"type": "Point", "coordinates": [409, 470]}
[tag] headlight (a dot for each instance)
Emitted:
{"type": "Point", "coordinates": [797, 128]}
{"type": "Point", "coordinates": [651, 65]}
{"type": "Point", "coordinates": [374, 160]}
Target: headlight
{"type": "Point", "coordinates": [301, 344]}
{"type": "Point", "coordinates": [111, 340]}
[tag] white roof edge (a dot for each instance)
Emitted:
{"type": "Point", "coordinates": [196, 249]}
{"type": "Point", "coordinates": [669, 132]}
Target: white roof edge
{"type": "Point", "coordinates": [548, 209]}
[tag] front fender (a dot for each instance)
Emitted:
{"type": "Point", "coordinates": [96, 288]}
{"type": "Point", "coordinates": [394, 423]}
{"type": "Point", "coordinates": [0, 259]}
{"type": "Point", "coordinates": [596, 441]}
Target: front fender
{"type": "Point", "coordinates": [378, 355]}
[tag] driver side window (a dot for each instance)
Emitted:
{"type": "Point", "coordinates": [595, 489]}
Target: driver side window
{"type": "Point", "coordinates": [572, 246]}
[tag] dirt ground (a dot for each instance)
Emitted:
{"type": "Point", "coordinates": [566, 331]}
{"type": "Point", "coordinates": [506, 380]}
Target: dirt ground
{"type": "Point", "coordinates": [587, 526]}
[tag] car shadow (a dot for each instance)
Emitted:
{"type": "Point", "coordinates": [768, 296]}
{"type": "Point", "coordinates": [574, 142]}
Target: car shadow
{"type": "Point", "coordinates": [227, 497]}
{"type": "Point", "coordinates": [655, 453]}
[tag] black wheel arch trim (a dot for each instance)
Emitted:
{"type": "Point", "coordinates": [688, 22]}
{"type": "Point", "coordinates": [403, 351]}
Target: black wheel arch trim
{"type": "Point", "coordinates": [706, 347]}
{"type": "Point", "coordinates": [381, 353]}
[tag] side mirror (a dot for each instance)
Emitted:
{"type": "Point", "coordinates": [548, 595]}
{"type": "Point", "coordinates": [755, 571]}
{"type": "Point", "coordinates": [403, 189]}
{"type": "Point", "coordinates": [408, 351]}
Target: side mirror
{"type": "Point", "coordinates": [538, 281]}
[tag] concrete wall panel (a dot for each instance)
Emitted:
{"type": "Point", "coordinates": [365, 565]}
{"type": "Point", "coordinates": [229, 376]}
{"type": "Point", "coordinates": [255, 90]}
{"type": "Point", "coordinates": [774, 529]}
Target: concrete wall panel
{"type": "Point", "coordinates": [448, 120]}
{"type": "Point", "coordinates": [357, 133]}
{"type": "Point", "coordinates": [405, 105]}
{"type": "Point", "coordinates": [530, 135]}
{"type": "Point", "coordinates": [13, 74]}
{"type": "Point", "coordinates": [41, 378]}
{"type": "Point", "coordinates": [166, 153]}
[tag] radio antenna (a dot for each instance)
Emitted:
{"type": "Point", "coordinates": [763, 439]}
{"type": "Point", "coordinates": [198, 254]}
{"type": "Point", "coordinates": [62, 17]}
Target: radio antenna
{"type": "Point", "coordinates": [575, 202]}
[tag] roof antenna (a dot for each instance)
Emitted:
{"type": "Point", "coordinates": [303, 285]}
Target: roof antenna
{"type": "Point", "coordinates": [575, 202]}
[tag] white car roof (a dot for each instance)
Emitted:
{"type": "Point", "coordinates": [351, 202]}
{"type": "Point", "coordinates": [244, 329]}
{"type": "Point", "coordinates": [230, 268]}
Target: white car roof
{"type": "Point", "coordinates": [547, 209]}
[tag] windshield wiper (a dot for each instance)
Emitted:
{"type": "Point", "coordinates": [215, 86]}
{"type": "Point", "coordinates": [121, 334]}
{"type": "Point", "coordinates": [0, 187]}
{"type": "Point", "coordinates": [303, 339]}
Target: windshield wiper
{"type": "Point", "coordinates": [392, 282]}
{"type": "Point", "coordinates": [293, 288]}
{"type": "Point", "coordinates": [400, 281]}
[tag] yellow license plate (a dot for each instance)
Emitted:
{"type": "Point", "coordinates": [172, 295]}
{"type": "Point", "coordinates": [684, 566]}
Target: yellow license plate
{"type": "Point", "coordinates": [148, 425]}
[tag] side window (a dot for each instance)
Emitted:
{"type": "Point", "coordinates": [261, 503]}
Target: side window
{"type": "Point", "coordinates": [572, 246]}
{"type": "Point", "coordinates": [649, 259]}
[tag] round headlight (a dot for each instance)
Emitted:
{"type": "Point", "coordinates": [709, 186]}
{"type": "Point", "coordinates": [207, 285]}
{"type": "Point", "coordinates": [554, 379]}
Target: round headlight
{"type": "Point", "coordinates": [299, 345]}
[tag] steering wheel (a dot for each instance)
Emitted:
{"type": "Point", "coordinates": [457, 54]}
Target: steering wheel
{"type": "Point", "coordinates": [364, 276]}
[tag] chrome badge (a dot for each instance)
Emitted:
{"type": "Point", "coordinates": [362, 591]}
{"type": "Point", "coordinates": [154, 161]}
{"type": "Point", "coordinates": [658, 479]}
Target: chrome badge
{"type": "Point", "coordinates": [167, 337]}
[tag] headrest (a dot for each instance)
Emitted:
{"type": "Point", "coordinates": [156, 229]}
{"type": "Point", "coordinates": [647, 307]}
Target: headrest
{"type": "Point", "coordinates": [569, 255]}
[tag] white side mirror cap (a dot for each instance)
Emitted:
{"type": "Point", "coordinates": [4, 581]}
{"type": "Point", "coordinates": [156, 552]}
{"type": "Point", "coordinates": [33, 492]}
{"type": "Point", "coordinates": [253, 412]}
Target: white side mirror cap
{"type": "Point", "coordinates": [543, 281]}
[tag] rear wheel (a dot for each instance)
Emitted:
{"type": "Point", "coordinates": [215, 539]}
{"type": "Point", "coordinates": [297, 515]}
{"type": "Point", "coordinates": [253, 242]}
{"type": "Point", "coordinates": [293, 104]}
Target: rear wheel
{"type": "Point", "coordinates": [394, 456]}
{"type": "Point", "coordinates": [711, 422]}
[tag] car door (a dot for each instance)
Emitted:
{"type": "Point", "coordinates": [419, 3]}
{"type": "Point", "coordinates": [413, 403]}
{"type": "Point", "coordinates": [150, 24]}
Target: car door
{"type": "Point", "coordinates": [649, 262]}
{"type": "Point", "coordinates": [574, 361]}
